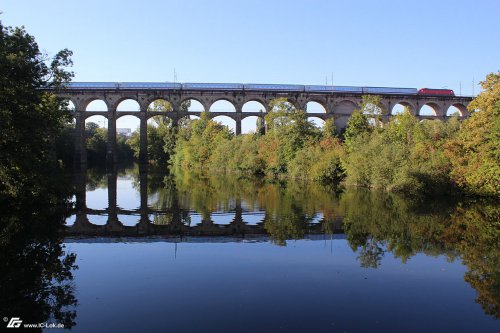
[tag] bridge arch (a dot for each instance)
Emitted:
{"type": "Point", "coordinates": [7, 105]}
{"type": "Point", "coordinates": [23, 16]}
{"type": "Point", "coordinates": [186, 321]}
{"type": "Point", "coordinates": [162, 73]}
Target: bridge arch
{"type": "Point", "coordinates": [295, 102]}
{"type": "Point", "coordinates": [290, 103]}
{"type": "Point", "coordinates": [128, 105]}
{"type": "Point", "coordinates": [159, 105]}
{"type": "Point", "coordinates": [126, 125]}
{"type": "Point", "coordinates": [260, 115]}
{"type": "Point", "coordinates": [345, 107]}
{"type": "Point", "coordinates": [222, 105]}
{"type": "Point", "coordinates": [96, 104]}
{"type": "Point", "coordinates": [121, 115]}
{"type": "Point", "coordinates": [226, 121]}
{"type": "Point", "coordinates": [429, 109]}
{"type": "Point", "coordinates": [254, 105]}
{"type": "Point", "coordinates": [249, 123]}
{"type": "Point", "coordinates": [318, 122]}
{"type": "Point", "coordinates": [95, 150]}
{"type": "Point", "coordinates": [195, 105]}
{"type": "Point", "coordinates": [400, 106]}
{"type": "Point", "coordinates": [315, 106]}
{"type": "Point", "coordinates": [457, 108]}
{"type": "Point", "coordinates": [70, 104]}
{"type": "Point", "coordinates": [153, 98]}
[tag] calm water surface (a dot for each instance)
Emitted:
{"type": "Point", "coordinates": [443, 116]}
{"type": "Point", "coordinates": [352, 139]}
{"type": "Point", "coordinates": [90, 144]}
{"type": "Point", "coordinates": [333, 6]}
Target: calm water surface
{"type": "Point", "coordinates": [183, 253]}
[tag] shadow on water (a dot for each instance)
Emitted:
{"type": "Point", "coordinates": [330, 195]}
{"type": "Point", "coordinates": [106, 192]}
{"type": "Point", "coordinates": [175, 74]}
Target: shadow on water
{"type": "Point", "coordinates": [36, 279]}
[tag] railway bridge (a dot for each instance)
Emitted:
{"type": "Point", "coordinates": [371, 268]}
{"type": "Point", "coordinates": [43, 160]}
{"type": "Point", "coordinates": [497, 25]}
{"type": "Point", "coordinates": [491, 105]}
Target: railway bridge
{"type": "Point", "coordinates": [338, 102]}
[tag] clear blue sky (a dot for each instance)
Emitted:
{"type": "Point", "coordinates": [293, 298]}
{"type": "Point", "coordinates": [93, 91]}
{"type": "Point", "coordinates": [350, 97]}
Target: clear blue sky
{"type": "Point", "coordinates": [373, 43]}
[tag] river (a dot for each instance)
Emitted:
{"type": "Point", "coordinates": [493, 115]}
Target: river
{"type": "Point", "coordinates": [186, 253]}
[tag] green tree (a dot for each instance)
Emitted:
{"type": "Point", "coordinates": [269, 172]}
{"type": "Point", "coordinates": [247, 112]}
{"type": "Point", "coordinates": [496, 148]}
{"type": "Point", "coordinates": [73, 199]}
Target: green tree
{"type": "Point", "coordinates": [475, 152]}
{"type": "Point", "coordinates": [260, 126]}
{"type": "Point", "coordinates": [31, 115]}
{"type": "Point", "coordinates": [329, 129]}
{"type": "Point", "coordinates": [96, 143]}
{"type": "Point", "coordinates": [372, 106]}
{"type": "Point", "coordinates": [35, 282]}
{"type": "Point", "coordinates": [288, 131]}
{"type": "Point", "coordinates": [357, 125]}
{"type": "Point", "coordinates": [161, 134]}
{"type": "Point", "coordinates": [196, 141]}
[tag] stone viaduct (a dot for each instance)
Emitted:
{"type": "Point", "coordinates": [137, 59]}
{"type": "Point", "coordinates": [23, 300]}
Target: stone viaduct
{"type": "Point", "coordinates": [336, 105]}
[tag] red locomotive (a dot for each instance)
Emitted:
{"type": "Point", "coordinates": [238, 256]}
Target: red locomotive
{"type": "Point", "coordinates": [441, 92]}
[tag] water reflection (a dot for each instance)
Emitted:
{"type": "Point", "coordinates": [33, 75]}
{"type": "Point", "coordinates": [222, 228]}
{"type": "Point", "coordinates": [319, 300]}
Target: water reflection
{"type": "Point", "coordinates": [374, 223]}
{"type": "Point", "coordinates": [36, 279]}
{"type": "Point", "coordinates": [188, 205]}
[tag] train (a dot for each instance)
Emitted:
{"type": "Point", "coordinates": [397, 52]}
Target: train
{"type": "Point", "coordinates": [257, 87]}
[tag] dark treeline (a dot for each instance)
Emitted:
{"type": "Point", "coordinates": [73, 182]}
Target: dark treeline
{"type": "Point", "coordinates": [96, 139]}
{"type": "Point", "coordinates": [36, 279]}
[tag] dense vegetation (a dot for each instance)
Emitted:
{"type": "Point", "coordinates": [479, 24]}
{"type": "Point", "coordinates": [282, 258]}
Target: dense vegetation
{"type": "Point", "coordinates": [405, 154]}
{"type": "Point", "coordinates": [30, 118]}
{"type": "Point", "coordinates": [36, 279]}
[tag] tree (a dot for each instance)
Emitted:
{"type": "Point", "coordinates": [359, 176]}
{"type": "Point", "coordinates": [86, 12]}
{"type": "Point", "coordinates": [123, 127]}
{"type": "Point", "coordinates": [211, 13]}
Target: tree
{"type": "Point", "coordinates": [31, 116]}
{"type": "Point", "coordinates": [475, 153]}
{"type": "Point", "coordinates": [260, 126]}
{"type": "Point", "coordinates": [372, 105]}
{"type": "Point", "coordinates": [329, 129]}
{"type": "Point", "coordinates": [161, 134]}
{"type": "Point", "coordinates": [34, 198]}
{"type": "Point", "coordinates": [357, 125]}
{"type": "Point", "coordinates": [197, 141]}
{"type": "Point", "coordinates": [288, 130]}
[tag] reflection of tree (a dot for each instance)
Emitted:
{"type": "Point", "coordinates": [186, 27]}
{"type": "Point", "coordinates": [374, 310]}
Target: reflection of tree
{"type": "Point", "coordinates": [374, 221]}
{"type": "Point", "coordinates": [476, 232]}
{"type": "Point", "coordinates": [36, 279]}
{"type": "Point", "coordinates": [371, 254]}
{"type": "Point", "coordinates": [395, 223]}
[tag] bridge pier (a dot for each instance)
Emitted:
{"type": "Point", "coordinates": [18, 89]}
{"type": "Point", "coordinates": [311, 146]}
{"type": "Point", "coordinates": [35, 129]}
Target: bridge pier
{"type": "Point", "coordinates": [143, 133]}
{"type": "Point", "coordinates": [80, 158]}
{"type": "Point", "coordinates": [113, 223]}
{"type": "Point", "coordinates": [238, 126]}
{"type": "Point", "coordinates": [144, 224]}
{"type": "Point", "coordinates": [111, 157]}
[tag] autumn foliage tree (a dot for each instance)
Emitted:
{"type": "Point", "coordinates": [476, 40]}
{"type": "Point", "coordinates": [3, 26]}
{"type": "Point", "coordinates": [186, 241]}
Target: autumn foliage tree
{"type": "Point", "coordinates": [475, 152]}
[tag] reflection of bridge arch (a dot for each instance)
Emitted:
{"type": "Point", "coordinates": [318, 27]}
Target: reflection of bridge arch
{"type": "Point", "coordinates": [241, 218]}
